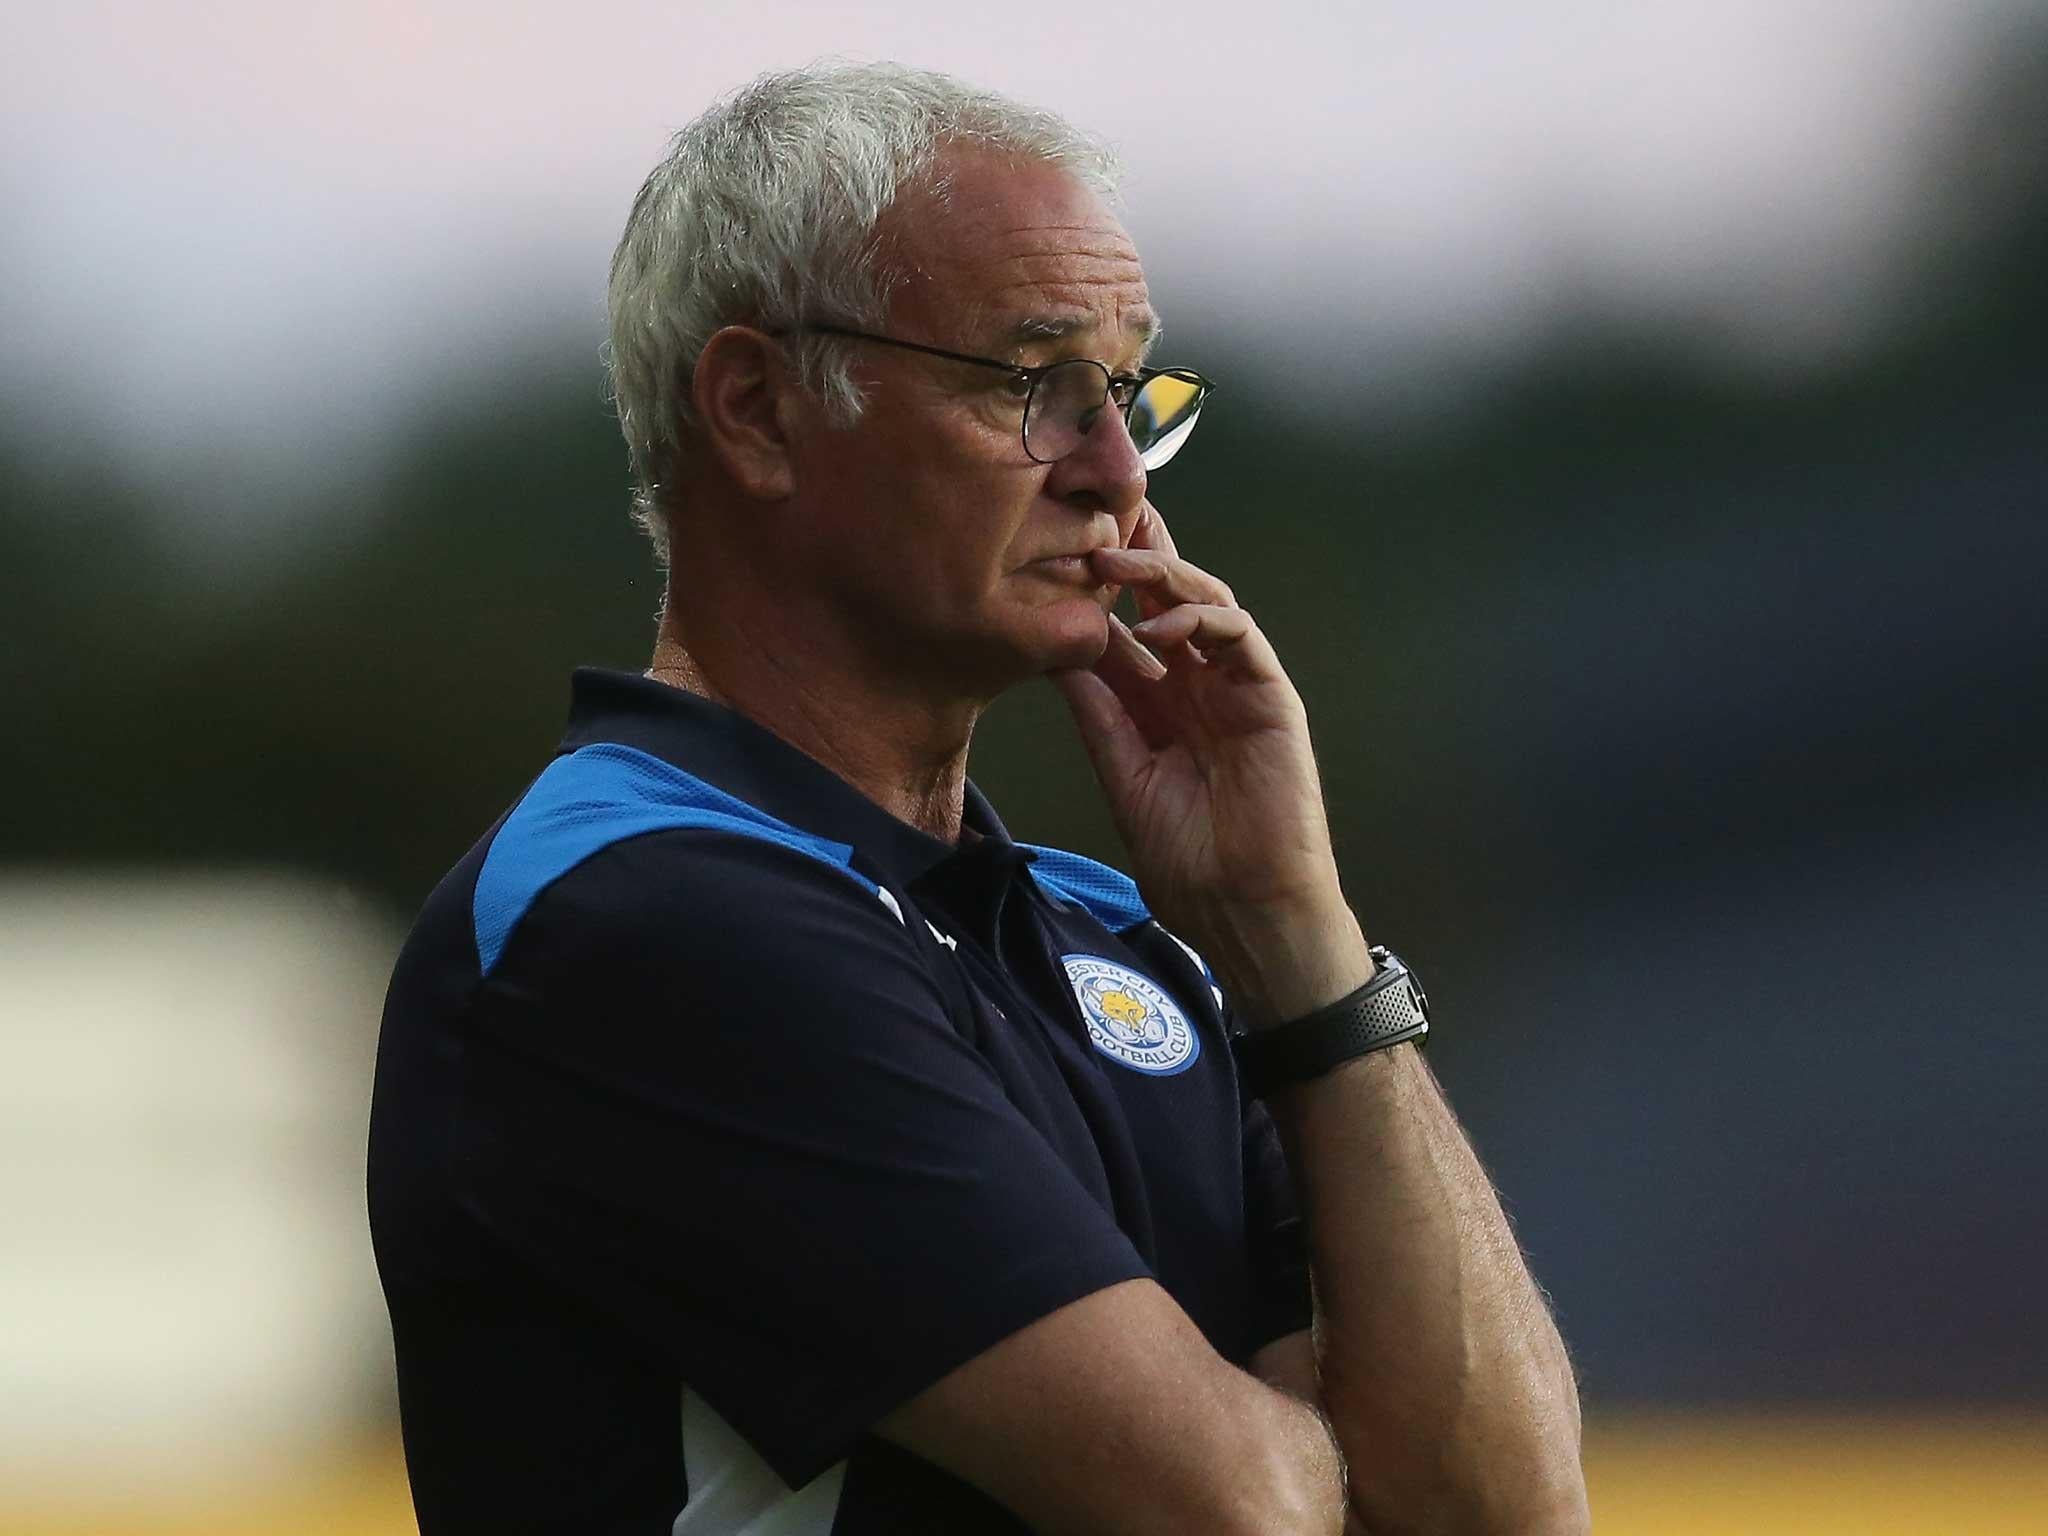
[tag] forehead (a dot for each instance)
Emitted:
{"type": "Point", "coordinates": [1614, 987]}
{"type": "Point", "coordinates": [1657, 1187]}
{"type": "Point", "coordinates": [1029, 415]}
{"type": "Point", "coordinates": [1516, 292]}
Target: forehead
{"type": "Point", "coordinates": [1002, 251]}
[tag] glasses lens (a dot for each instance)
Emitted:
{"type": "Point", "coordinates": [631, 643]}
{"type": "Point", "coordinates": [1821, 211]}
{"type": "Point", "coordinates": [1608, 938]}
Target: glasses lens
{"type": "Point", "coordinates": [1163, 414]}
{"type": "Point", "coordinates": [1063, 407]}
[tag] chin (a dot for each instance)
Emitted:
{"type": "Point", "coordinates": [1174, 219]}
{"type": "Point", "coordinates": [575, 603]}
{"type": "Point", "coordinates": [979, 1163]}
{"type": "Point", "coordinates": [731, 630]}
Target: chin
{"type": "Point", "coordinates": [1025, 642]}
{"type": "Point", "coordinates": [1077, 639]}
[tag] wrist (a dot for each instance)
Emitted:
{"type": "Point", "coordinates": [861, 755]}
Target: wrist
{"type": "Point", "coordinates": [1281, 961]}
{"type": "Point", "coordinates": [1388, 1011]}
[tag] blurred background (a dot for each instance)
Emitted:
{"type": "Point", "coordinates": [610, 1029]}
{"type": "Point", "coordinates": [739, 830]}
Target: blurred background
{"type": "Point", "coordinates": [1631, 434]}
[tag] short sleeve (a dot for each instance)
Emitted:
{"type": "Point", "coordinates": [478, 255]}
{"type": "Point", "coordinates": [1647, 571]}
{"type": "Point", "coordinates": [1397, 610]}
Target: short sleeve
{"type": "Point", "coordinates": [712, 1090]}
{"type": "Point", "coordinates": [1282, 1301]}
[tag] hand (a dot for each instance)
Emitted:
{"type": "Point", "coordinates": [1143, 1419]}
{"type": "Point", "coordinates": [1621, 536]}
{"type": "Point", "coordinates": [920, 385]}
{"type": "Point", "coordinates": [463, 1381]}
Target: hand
{"type": "Point", "coordinates": [1202, 747]}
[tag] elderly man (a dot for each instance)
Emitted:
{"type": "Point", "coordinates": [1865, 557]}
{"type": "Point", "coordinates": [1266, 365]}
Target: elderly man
{"type": "Point", "coordinates": [763, 1140]}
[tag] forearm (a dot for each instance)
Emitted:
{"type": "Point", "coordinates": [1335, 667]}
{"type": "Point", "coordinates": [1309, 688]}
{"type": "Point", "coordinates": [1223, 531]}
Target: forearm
{"type": "Point", "coordinates": [1438, 1364]}
{"type": "Point", "coordinates": [1440, 1367]}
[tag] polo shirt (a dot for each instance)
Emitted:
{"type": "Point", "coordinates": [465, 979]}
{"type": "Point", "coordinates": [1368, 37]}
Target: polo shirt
{"type": "Point", "coordinates": [718, 1113]}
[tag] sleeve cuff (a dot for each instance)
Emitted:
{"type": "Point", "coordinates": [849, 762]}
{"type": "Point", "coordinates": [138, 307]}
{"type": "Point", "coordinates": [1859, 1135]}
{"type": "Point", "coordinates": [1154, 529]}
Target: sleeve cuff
{"type": "Point", "coordinates": [819, 1440]}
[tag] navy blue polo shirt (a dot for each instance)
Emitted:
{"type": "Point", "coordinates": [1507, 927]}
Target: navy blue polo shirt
{"type": "Point", "coordinates": [718, 1113]}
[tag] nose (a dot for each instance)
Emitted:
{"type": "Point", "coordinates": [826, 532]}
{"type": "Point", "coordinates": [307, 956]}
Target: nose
{"type": "Point", "coordinates": [1104, 474]}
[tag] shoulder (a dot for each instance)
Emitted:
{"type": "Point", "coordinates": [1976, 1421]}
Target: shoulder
{"type": "Point", "coordinates": [618, 857]}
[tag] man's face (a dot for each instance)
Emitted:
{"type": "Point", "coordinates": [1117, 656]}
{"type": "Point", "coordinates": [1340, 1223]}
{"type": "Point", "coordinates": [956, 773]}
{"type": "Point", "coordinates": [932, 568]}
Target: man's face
{"type": "Point", "coordinates": [952, 554]}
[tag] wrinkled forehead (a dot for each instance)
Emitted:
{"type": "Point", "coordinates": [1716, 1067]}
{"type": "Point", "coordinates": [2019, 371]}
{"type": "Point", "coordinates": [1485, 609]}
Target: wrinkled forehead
{"type": "Point", "coordinates": [1015, 256]}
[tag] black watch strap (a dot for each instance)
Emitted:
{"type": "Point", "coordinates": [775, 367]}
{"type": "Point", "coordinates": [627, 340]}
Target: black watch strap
{"type": "Point", "coordinates": [1384, 1012]}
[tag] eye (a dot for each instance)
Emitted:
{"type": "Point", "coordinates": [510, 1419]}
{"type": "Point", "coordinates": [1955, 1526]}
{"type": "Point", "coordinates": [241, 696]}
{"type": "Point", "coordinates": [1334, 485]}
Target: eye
{"type": "Point", "coordinates": [1015, 385]}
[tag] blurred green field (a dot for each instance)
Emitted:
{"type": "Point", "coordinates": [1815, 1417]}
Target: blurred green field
{"type": "Point", "coordinates": [1760, 1474]}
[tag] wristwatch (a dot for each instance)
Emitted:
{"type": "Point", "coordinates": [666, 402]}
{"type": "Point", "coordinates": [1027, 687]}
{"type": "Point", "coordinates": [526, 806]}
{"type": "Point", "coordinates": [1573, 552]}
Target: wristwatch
{"type": "Point", "coordinates": [1387, 1010]}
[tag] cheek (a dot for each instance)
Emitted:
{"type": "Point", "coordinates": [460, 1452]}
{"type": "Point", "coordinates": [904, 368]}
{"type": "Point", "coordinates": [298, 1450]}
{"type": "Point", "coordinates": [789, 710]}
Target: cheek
{"type": "Point", "coordinates": [966, 542]}
{"type": "Point", "coordinates": [950, 517]}
{"type": "Point", "coordinates": [993, 525]}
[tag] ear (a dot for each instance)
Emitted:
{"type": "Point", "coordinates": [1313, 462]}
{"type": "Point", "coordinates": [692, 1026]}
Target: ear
{"type": "Point", "coordinates": [744, 392]}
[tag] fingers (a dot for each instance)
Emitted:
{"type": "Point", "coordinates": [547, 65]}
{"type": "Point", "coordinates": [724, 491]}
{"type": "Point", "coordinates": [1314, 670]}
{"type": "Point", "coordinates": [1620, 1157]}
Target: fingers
{"type": "Point", "coordinates": [1150, 532]}
{"type": "Point", "coordinates": [1189, 616]}
{"type": "Point", "coordinates": [1227, 637]}
{"type": "Point", "coordinates": [1204, 626]}
{"type": "Point", "coordinates": [1130, 671]}
{"type": "Point", "coordinates": [1160, 579]}
{"type": "Point", "coordinates": [1127, 654]}
{"type": "Point", "coordinates": [1114, 743]}
{"type": "Point", "coordinates": [1150, 537]}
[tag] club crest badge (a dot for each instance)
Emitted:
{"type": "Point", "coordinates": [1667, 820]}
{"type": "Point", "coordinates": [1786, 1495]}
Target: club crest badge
{"type": "Point", "coordinates": [1130, 1019]}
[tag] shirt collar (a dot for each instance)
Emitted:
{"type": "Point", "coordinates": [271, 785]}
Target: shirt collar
{"type": "Point", "coordinates": [732, 753]}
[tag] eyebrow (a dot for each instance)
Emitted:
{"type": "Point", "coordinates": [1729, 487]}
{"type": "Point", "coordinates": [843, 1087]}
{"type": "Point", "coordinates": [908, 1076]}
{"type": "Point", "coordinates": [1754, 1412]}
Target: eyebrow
{"type": "Point", "coordinates": [1042, 328]}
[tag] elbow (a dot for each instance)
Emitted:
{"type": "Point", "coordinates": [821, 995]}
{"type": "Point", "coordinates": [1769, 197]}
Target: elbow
{"type": "Point", "coordinates": [1289, 1481]}
{"type": "Point", "coordinates": [1290, 1500]}
{"type": "Point", "coordinates": [1515, 1468]}
{"type": "Point", "coordinates": [1561, 1505]}
{"type": "Point", "coordinates": [1311, 1498]}
{"type": "Point", "coordinates": [1552, 1505]}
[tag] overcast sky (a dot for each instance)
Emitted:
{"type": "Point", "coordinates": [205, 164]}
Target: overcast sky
{"type": "Point", "coordinates": [240, 222]}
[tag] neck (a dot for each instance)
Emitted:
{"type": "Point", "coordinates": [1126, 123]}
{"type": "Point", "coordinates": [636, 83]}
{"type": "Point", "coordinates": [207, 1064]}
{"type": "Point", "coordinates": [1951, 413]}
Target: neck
{"type": "Point", "coordinates": [905, 752]}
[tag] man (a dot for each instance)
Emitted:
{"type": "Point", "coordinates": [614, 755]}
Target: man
{"type": "Point", "coordinates": [763, 1140]}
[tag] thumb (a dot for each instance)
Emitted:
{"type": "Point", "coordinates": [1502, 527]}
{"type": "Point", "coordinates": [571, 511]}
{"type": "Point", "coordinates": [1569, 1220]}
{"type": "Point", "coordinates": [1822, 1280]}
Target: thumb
{"type": "Point", "coordinates": [1115, 745]}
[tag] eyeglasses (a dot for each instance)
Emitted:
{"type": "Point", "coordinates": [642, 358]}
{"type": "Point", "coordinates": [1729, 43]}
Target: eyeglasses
{"type": "Point", "coordinates": [1062, 399]}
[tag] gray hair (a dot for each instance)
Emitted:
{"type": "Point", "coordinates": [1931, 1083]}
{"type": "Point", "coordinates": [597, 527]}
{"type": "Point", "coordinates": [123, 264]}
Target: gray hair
{"type": "Point", "coordinates": [764, 212]}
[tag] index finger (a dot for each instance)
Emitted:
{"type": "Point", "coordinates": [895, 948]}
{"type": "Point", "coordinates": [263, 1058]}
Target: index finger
{"type": "Point", "coordinates": [1150, 532]}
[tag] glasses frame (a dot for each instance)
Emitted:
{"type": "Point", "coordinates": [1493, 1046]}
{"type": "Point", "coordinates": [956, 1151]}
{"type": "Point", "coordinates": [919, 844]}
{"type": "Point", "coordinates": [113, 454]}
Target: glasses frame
{"type": "Point", "coordinates": [1121, 387]}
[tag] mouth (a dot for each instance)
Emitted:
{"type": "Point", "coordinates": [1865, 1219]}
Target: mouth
{"type": "Point", "coordinates": [1068, 570]}
{"type": "Point", "coordinates": [1075, 567]}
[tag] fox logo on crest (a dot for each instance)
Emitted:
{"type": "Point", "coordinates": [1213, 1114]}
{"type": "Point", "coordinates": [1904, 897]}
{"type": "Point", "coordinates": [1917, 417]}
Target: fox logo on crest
{"type": "Point", "coordinates": [1130, 1018]}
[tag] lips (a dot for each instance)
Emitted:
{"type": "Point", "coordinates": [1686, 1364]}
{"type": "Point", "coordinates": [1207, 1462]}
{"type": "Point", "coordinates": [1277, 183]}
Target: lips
{"type": "Point", "coordinates": [1074, 570]}
{"type": "Point", "coordinates": [1072, 554]}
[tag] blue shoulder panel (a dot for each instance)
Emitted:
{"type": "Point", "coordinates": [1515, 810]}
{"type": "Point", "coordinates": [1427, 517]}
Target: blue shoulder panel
{"type": "Point", "coordinates": [1108, 895]}
{"type": "Point", "coordinates": [600, 795]}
